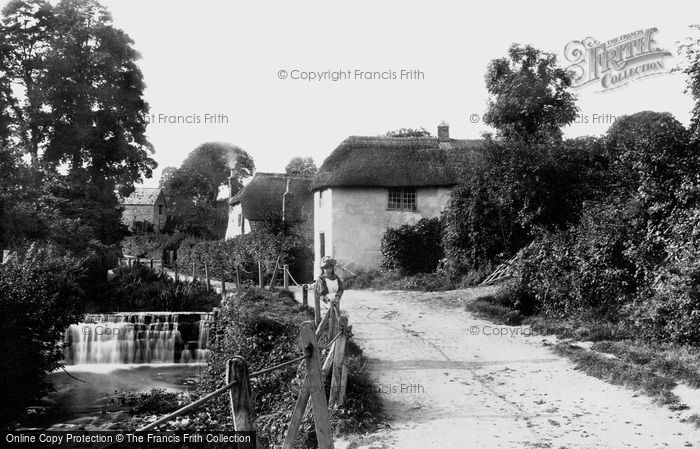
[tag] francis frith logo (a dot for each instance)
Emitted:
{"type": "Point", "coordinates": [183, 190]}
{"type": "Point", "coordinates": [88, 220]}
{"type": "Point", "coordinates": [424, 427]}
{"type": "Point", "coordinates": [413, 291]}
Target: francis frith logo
{"type": "Point", "coordinates": [617, 62]}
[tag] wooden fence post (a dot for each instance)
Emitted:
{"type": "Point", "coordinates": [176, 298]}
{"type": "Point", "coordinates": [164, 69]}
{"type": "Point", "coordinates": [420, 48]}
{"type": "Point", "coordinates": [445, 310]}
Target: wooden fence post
{"type": "Point", "coordinates": [194, 271]}
{"type": "Point", "coordinates": [314, 383]}
{"type": "Point", "coordinates": [338, 364]}
{"type": "Point", "coordinates": [151, 264]}
{"type": "Point", "coordinates": [206, 275]}
{"type": "Point", "coordinates": [238, 281]}
{"type": "Point", "coordinates": [285, 268]}
{"type": "Point", "coordinates": [177, 278]}
{"type": "Point", "coordinates": [240, 396]}
{"type": "Point", "coordinates": [305, 295]}
{"type": "Point", "coordinates": [260, 274]}
{"type": "Point", "coordinates": [223, 288]}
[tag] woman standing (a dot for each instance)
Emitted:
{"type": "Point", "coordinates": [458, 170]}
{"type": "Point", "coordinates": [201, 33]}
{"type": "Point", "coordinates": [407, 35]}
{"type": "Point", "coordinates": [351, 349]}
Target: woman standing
{"type": "Point", "coordinates": [329, 286]}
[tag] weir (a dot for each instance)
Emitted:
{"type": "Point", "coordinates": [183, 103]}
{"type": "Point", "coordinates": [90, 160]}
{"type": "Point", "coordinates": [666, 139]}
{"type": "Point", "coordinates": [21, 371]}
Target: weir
{"type": "Point", "coordinates": [139, 337]}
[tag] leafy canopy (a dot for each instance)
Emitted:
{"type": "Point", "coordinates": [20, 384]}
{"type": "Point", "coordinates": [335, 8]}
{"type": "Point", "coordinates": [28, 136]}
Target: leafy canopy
{"type": "Point", "coordinates": [530, 93]}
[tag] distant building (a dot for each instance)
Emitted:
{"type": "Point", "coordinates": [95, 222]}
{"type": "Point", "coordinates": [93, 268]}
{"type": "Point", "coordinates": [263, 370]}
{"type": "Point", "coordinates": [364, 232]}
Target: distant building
{"type": "Point", "coordinates": [145, 205]}
{"type": "Point", "coordinates": [369, 184]}
{"type": "Point", "coordinates": [269, 196]}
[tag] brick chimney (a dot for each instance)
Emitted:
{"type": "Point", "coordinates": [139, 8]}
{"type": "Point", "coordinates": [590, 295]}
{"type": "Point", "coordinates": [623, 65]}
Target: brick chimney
{"type": "Point", "coordinates": [443, 132]}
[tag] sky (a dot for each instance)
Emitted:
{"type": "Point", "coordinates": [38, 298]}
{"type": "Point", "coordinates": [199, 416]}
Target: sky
{"type": "Point", "coordinates": [224, 58]}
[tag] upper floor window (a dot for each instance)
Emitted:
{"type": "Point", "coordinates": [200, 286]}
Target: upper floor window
{"type": "Point", "coordinates": [402, 199]}
{"type": "Point", "coordinates": [240, 220]}
{"type": "Point", "coordinates": [160, 209]}
{"type": "Point", "coordinates": [320, 199]}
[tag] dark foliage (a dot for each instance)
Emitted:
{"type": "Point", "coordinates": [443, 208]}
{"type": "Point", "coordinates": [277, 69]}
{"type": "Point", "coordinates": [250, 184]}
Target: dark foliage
{"type": "Point", "coordinates": [39, 298]}
{"type": "Point", "coordinates": [411, 249]}
{"type": "Point", "coordinates": [139, 288]}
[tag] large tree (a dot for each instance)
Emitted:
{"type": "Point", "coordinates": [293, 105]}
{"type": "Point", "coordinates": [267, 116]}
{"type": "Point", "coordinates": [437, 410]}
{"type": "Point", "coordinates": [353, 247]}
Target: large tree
{"type": "Point", "coordinates": [530, 97]}
{"type": "Point", "coordinates": [193, 188]}
{"type": "Point", "coordinates": [76, 105]}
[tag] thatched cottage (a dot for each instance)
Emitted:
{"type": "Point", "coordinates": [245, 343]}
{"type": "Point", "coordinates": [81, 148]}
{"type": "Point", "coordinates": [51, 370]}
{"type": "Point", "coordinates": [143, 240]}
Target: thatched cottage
{"type": "Point", "coordinates": [270, 196]}
{"type": "Point", "coordinates": [369, 184]}
{"type": "Point", "coordinates": [145, 205]}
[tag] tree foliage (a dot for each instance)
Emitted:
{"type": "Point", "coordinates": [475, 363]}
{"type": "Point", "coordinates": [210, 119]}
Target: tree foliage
{"type": "Point", "coordinates": [301, 166]}
{"type": "Point", "coordinates": [193, 188]}
{"type": "Point", "coordinates": [408, 132]}
{"type": "Point", "coordinates": [39, 299]}
{"type": "Point", "coordinates": [530, 93]}
{"type": "Point", "coordinates": [71, 100]}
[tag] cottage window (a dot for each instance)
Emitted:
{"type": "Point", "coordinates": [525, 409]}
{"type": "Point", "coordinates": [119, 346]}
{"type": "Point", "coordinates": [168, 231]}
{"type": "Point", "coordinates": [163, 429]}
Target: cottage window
{"type": "Point", "coordinates": [160, 209]}
{"type": "Point", "coordinates": [320, 199]}
{"type": "Point", "coordinates": [240, 220]}
{"type": "Point", "coordinates": [402, 199]}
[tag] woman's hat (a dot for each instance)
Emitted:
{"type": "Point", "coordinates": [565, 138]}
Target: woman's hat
{"type": "Point", "coordinates": [327, 261]}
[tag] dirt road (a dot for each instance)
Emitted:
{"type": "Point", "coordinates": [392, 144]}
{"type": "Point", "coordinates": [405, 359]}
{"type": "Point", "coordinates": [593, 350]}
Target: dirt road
{"type": "Point", "coordinates": [449, 380]}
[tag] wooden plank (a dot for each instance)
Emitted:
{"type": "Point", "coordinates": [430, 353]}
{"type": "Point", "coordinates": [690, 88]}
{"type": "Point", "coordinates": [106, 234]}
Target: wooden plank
{"type": "Point", "coordinates": [297, 415]}
{"type": "Point", "coordinates": [328, 363]}
{"type": "Point", "coordinates": [343, 385]}
{"type": "Point", "coordinates": [315, 385]}
{"type": "Point", "coordinates": [285, 277]}
{"type": "Point", "coordinates": [338, 363]}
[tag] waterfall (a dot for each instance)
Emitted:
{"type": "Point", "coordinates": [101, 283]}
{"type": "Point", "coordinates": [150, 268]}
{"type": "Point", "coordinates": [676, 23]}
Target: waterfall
{"type": "Point", "coordinates": [139, 337]}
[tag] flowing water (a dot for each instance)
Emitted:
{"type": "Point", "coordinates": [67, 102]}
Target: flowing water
{"type": "Point", "coordinates": [139, 337]}
{"type": "Point", "coordinates": [125, 352]}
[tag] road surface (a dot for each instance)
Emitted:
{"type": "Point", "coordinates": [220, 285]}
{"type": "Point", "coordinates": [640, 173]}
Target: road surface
{"type": "Point", "coordinates": [450, 380]}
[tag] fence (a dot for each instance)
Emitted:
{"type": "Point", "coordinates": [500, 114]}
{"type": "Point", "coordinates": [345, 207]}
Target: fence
{"type": "Point", "coordinates": [323, 344]}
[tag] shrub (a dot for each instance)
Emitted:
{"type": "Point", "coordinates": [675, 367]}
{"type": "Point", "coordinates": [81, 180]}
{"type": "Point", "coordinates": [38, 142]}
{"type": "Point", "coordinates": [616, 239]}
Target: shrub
{"type": "Point", "coordinates": [411, 249]}
{"type": "Point", "coordinates": [263, 328]}
{"type": "Point", "coordinates": [244, 252]}
{"type": "Point", "coordinates": [139, 288]}
{"type": "Point", "coordinates": [39, 299]}
{"type": "Point", "coordinates": [153, 245]}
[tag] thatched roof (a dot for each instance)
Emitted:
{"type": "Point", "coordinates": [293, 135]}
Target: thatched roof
{"type": "Point", "coordinates": [396, 162]}
{"type": "Point", "coordinates": [261, 198]}
{"type": "Point", "coordinates": [143, 196]}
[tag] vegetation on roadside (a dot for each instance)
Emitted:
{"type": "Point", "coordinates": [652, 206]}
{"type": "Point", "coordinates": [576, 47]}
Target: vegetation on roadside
{"type": "Point", "coordinates": [263, 328]}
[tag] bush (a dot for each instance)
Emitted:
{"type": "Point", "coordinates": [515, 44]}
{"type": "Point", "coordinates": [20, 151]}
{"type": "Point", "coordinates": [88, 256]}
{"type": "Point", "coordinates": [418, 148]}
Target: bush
{"type": "Point", "coordinates": [139, 288]}
{"type": "Point", "coordinates": [244, 252]}
{"type": "Point", "coordinates": [153, 245]}
{"type": "Point", "coordinates": [263, 328]}
{"type": "Point", "coordinates": [39, 299]}
{"type": "Point", "coordinates": [411, 249]}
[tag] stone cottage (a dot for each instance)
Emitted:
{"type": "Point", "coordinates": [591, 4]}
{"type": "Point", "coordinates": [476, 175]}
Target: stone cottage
{"type": "Point", "coordinates": [369, 184]}
{"type": "Point", "coordinates": [145, 205]}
